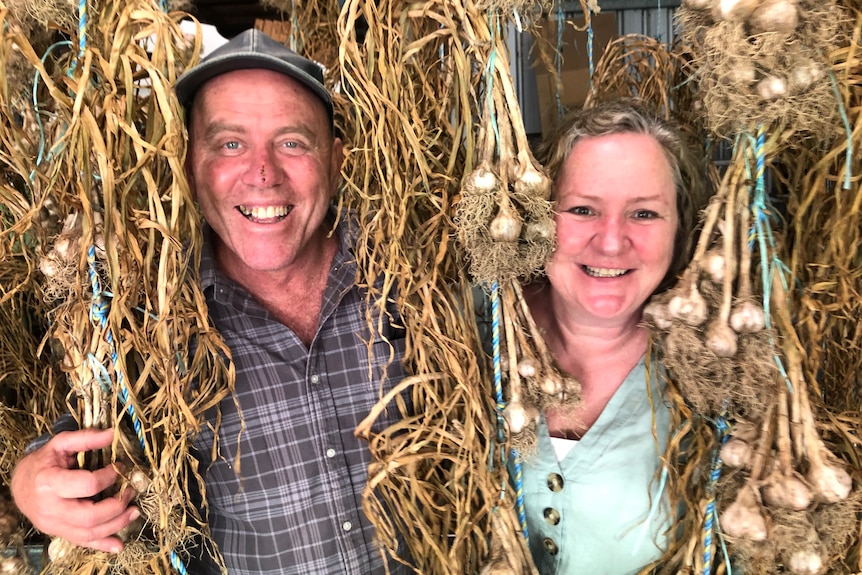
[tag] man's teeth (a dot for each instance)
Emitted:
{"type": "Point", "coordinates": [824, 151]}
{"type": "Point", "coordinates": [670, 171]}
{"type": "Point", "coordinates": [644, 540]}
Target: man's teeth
{"type": "Point", "coordinates": [604, 272]}
{"type": "Point", "coordinates": [264, 213]}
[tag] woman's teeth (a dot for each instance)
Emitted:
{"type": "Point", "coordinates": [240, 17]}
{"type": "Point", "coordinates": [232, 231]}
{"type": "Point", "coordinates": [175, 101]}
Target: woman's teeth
{"type": "Point", "coordinates": [604, 272]}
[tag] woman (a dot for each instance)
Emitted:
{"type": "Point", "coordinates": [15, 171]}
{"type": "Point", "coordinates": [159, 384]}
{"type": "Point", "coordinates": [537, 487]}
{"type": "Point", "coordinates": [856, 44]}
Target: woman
{"type": "Point", "coordinates": [626, 198]}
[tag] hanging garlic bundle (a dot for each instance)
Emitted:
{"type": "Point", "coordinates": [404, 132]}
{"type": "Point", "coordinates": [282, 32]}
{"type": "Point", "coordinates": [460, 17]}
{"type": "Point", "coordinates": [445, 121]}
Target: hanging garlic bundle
{"type": "Point", "coordinates": [764, 61]}
{"type": "Point", "coordinates": [798, 495]}
{"type": "Point", "coordinates": [504, 215]}
{"type": "Point", "coordinates": [711, 326]}
{"type": "Point", "coordinates": [534, 381]}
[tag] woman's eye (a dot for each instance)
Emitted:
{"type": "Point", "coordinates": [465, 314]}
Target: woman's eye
{"type": "Point", "coordinates": [580, 211]}
{"type": "Point", "coordinates": [231, 145]}
{"type": "Point", "coordinates": [645, 214]}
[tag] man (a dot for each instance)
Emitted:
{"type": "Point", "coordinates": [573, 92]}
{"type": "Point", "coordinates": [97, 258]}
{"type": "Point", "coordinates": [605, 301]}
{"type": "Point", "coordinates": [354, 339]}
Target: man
{"type": "Point", "coordinates": [264, 165]}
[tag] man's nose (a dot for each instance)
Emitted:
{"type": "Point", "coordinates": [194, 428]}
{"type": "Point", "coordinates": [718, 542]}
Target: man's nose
{"type": "Point", "coordinates": [263, 170]}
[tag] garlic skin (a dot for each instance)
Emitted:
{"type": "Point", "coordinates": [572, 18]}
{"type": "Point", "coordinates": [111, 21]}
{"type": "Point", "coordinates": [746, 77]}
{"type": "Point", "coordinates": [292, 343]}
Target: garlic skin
{"type": "Point", "coordinates": [741, 73]}
{"type": "Point", "coordinates": [747, 317]}
{"type": "Point", "coordinates": [139, 480]}
{"type": "Point", "coordinates": [720, 339]}
{"type": "Point", "coordinates": [540, 231]}
{"type": "Point", "coordinates": [49, 266]}
{"type": "Point", "coordinates": [804, 75]}
{"type": "Point", "coordinates": [59, 548]}
{"type": "Point", "coordinates": [532, 182]}
{"type": "Point", "coordinates": [743, 518]}
{"type": "Point", "coordinates": [506, 225]}
{"type": "Point", "coordinates": [786, 492]}
{"type": "Point", "coordinates": [830, 482]}
{"type": "Point", "coordinates": [658, 314]}
{"type": "Point", "coordinates": [481, 180]}
{"type": "Point", "coordinates": [552, 386]}
{"type": "Point", "coordinates": [735, 453]}
{"type": "Point", "coordinates": [780, 16]}
{"type": "Point", "coordinates": [518, 416]}
{"type": "Point", "coordinates": [715, 265]}
{"type": "Point", "coordinates": [691, 309]}
{"type": "Point", "coordinates": [805, 562]}
{"type": "Point", "coordinates": [698, 4]}
{"type": "Point", "coordinates": [527, 367]}
{"type": "Point", "coordinates": [733, 10]}
{"type": "Point", "coordinates": [771, 88]}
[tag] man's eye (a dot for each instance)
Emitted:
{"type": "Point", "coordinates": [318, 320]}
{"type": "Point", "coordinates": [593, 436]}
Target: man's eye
{"type": "Point", "coordinates": [231, 145]}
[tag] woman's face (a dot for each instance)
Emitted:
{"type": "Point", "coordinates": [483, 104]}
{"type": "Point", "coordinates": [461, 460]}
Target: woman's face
{"type": "Point", "coordinates": [616, 223]}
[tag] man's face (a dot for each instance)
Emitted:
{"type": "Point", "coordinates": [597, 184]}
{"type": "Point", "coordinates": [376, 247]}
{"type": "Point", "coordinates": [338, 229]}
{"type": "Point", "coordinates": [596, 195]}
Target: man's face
{"type": "Point", "coordinates": [263, 166]}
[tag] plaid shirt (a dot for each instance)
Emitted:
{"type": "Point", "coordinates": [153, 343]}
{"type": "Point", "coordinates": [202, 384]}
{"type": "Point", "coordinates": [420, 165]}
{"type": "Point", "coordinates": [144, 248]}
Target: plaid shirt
{"type": "Point", "coordinates": [294, 503]}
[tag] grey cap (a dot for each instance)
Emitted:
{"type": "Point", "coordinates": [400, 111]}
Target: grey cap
{"type": "Point", "coordinates": [249, 50]}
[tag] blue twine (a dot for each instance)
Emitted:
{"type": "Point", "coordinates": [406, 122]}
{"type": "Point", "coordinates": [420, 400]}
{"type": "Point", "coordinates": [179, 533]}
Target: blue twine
{"type": "Point", "coordinates": [99, 314]}
{"type": "Point", "coordinates": [37, 113]}
{"type": "Point", "coordinates": [178, 564]}
{"type": "Point", "coordinates": [763, 233]}
{"type": "Point", "coordinates": [709, 520]}
{"type": "Point", "coordinates": [519, 493]}
{"type": "Point", "coordinates": [489, 78]}
{"type": "Point", "coordinates": [848, 167]}
{"type": "Point", "coordinates": [590, 49]}
{"type": "Point", "coordinates": [501, 405]}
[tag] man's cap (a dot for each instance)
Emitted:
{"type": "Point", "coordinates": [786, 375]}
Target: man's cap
{"type": "Point", "coordinates": [250, 50]}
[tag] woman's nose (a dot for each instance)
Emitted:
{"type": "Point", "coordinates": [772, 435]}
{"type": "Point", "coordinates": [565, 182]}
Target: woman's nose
{"type": "Point", "coordinates": [611, 235]}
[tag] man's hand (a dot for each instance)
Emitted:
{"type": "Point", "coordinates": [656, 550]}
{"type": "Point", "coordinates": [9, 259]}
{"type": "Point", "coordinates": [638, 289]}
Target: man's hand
{"type": "Point", "coordinates": [58, 500]}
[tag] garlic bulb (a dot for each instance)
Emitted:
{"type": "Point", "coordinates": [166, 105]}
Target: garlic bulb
{"type": "Point", "coordinates": [786, 492]}
{"type": "Point", "coordinates": [532, 182]}
{"type": "Point", "coordinates": [715, 265]}
{"type": "Point", "coordinates": [733, 10]}
{"type": "Point", "coordinates": [658, 314]}
{"type": "Point", "coordinates": [691, 309]}
{"type": "Point", "coordinates": [781, 16]}
{"type": "Point", "coordinates": [543, 230]}
{"type": "Point", "coordinates": [744, 518]}
{"type": "Point", "coordinates": [747, 317]}
{"type": "Point", "coordinates": [482, 180]}
{"type": "Point", "coordinates": [527, 367]}
{"type": "Point", "coordinates": [59, 548]}
{"type": "Point", "coordinates": [735, 453]}
{"type": "Point", "coordinates": [698, 4]}
{"type": "Point", "coordinates": [720, 339]}
{"type": "Point", "coordinates": [506, 225]}
{"type": "Point", "coordinates": [771, 88]}
{"type": "Point", "coordinates": [804, 74]}
{"type": "Point", "coordinates": [552, 385]}
{"type": "Point", "coordinates": [518, 416]}
{"type": "Point", "coordinates": [830, 481]}
{"type": "Point", "coordinates": [805, 562]}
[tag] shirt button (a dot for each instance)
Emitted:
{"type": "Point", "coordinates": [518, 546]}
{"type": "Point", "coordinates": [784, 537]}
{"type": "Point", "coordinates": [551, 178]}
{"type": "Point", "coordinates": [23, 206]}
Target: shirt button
{"type": "Point", "coordinates": [550, 546]}
{"type": "Point", "coordinates": [347, 525]}
{"type": "Point", "coordinates": [555, 482]}
{"type": "Point", "coordinates": [330, 452]}
{"type": "Point", "coordinates": [315, 378]}
{"type": "Point", "coordinates": [552, 516]}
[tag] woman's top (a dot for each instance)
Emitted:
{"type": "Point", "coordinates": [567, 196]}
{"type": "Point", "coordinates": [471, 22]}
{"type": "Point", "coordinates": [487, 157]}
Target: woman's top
{"type": "Point", "coordinates": [590, 513]}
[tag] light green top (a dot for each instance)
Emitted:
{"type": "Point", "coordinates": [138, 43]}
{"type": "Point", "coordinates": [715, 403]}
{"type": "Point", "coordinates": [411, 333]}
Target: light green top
{"type": "Point", "coordinates": [595, 524]}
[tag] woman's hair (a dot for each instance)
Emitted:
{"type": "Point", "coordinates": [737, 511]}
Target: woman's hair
{"type": "Point", "coordinates": [625, 116]}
